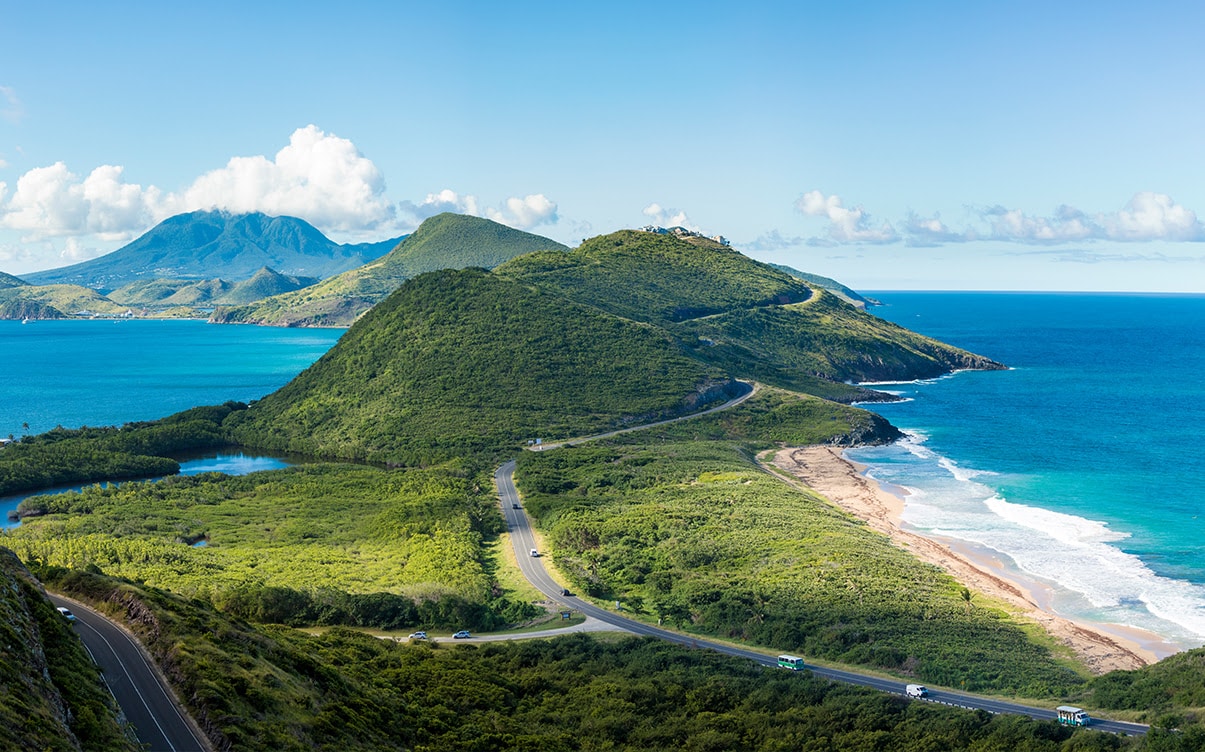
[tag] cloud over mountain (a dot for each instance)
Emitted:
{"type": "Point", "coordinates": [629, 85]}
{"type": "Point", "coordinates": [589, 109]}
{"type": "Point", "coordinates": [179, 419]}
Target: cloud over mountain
{"type": "Point", "coordinates": [522, 213]}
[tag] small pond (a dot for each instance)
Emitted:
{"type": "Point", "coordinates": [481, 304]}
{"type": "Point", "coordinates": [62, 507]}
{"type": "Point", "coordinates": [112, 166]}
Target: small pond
{"type": "Point", "coordinates": [230, 463]}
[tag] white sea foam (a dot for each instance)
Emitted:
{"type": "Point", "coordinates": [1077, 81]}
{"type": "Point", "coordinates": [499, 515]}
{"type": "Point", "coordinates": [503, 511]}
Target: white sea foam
{"type": "Point", "coordinates": [1093, 578]}
{"type": "Point", "coordinates": [961, 473]}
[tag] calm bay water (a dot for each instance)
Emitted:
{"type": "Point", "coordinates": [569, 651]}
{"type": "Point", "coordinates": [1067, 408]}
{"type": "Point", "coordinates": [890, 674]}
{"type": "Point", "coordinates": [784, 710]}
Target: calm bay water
{"type": "Point", "coordinates": [107, 372]}
{"type": "Point", "coordinates": [1081, 464]}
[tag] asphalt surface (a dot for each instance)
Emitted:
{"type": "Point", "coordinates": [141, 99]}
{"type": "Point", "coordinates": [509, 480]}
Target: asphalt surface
{"type": "Point", "coordinates": [533, 569]}
{"type": "Point", "coordinates": [143, 695]}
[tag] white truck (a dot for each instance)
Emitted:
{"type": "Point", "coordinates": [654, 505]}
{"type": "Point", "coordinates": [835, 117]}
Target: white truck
{"type": "Point", "coordinates": [916, 690]}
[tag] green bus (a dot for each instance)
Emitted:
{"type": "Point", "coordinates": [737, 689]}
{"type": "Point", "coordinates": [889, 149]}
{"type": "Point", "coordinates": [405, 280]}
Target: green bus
{"type": "Point", "coordinates": [1069, 716]}
{"type": "Point", "coordinates": [791, 662]}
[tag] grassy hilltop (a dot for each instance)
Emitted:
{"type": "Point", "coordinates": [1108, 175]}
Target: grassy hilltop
{"type": "Point", "coordinates": [445, 241]}
{"type": "Point", "coordinates": [748, 318]}
{"type": "Point", "coordinates": [456, 370]}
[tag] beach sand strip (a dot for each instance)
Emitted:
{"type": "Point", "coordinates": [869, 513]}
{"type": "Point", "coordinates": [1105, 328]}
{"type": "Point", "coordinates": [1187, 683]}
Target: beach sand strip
{"type": "Point", "coordinates": [826, 471]}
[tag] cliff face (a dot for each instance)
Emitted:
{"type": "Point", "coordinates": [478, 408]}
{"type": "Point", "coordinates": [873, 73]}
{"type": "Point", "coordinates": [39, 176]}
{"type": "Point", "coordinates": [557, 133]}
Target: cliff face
{"type": "Point", "coordinates": [53, 698]}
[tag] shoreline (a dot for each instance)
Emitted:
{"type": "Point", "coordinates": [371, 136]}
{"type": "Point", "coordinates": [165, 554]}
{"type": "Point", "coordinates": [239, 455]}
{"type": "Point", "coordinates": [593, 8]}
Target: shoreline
{"type": "Point", "coordinates": [1101, 647]}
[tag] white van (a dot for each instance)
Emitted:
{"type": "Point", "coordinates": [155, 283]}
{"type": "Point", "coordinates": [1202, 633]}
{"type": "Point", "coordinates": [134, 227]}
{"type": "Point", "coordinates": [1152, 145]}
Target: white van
{"type": "Point", "coordinates": [916, 690]}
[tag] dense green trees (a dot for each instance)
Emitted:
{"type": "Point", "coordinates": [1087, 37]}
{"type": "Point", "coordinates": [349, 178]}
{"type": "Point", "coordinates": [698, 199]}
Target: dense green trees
{"type": "Point", "coordinates": [464, 362]}
{"type": "Point", "coordinates": [272, 688]}
{"type": "Point", "coordinates": [136, 450]}
{"type": "Point", "coordinates": [314, 544]}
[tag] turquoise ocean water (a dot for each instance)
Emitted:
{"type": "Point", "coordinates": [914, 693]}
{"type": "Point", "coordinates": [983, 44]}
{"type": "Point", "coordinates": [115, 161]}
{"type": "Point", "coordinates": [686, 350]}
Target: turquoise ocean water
{"type": "Point", "coordinates": [1080, 467]}
{"type": "Point", "coordinates": [106, 372]}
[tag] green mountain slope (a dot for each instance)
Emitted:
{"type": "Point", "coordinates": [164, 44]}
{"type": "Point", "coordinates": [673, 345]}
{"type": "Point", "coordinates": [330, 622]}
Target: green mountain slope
{"type": "Point", "coordinates": [8, 280]}
{"type": "Point", "coordinates": [816, 280]}
{"type": "Point", "coordinates": [66, 300]}
{"type": "Point", "coordinates": [182, 292]}
{"type": "Point", "coordinates": [659, 278]}
{"type": "Point", "coordinates": [740, 315]}
{"type": "Point", "coordinates": [206, 245]}
{"type": "Point", "coordinates": [445, 241]}
{"type": "Point", "coordinates": [52, 697]}
{"type": "Point", "coordinates": [460, 361]}
{"type": "Point", "coordinates": [824, 338]}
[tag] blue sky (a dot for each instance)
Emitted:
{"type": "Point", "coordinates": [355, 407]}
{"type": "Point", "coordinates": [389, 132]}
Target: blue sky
{"type": "Point", "coordinates": [941, 145]}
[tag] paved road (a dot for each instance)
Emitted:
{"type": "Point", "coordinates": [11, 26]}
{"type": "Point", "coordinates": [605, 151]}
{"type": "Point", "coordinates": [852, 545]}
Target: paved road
{"type": "Point", "coordinates": [533, 569]}
{"type": "Point", "coordinates": [752, 390]}
{"type": "Point", "coordinates": [134, 681]}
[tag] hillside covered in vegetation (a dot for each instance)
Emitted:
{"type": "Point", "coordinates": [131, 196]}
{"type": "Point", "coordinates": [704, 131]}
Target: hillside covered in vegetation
{"type": "Point", "coordinates": [459, 369]}
{"type": "Point", "coordinates": [53, 697]}
{"type": "Point", "coordinates": [745, 317]}
{"type": "Point", "coordinates": [445, 241]}
{"type": "Point", "coordinates": [458, 362]}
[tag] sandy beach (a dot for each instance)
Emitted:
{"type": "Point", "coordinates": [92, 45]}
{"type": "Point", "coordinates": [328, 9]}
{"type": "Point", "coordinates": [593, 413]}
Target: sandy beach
{"type": "Point", "coordinates": [1103, 648]}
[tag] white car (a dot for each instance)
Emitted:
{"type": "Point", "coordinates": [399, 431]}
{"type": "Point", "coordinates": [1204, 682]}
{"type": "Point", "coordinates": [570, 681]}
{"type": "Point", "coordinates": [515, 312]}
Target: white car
{"type": "Point", "coordinates": [67, 614]}
{"type": "Point", "coordinates": [462, 635]}
{"type": "Point", "coordinates": [418, 635]}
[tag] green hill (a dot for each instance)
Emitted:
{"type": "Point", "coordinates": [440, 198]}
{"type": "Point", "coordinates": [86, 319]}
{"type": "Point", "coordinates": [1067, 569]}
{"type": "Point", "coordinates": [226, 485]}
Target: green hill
{"type": "Point", "coordinates": [460, 361]}
{"type": "Point", "coordinates": [659, 278]}
{"type": "Point", "coordinates": [53, 697]}
{"type": "Point", "coordinates": [183, 292]}
{"type": "Point", "coordinates": [740, 315]}
{"type": "Point", "coordinates": [816, 280]}
{"type": "Point", "coordinates": [210, 244]}
{"type": "Point", "coordinates": [66, 300]}
{"type": "Point", "coordinates": [8, 280]}
{"type": "Point", "coordinates": [445, 241]}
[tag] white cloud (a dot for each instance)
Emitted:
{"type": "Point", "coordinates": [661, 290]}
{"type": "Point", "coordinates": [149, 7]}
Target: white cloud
{"type": "Point", "coordinates": [931, 231]}
{"type": "Point", "coordinates": [319, 177]}
{"type": "Point", "coordinates": [664, 217]}
{"type": "Point", "coordinates": [525, 213]}
{"type": "Point", "coordinates": [845, 225]}
{"type": "Point", "coordinates": [1146, 217]}
{"type": "Point", "coordinates": [11, 108]}
{"type": "Point", "coordinates": [521, 213]}
{"type": "Point", "coordinates": [53, 201]}
{"type": "Point", "coordinates": [446, 200]}
{"type": "Point", "coordinates": [1153, 216]}
{"type": "Point", "coordinates": [773, 241]}
{"type": "Point", "coordinates": [75, 251]}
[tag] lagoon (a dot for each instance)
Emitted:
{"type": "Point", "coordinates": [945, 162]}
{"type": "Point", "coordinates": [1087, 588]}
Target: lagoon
{"type": "Point", "coordinates": [230, 463]}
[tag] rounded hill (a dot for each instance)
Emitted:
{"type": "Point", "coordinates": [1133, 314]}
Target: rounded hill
{"type": "Point", "coordinates": [465, 360]}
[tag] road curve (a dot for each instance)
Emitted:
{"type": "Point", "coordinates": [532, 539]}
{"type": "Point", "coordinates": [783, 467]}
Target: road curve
{"type": "Point", "coordinates": [533, 569]}
{"type": "Point", "coordinates": [144, 697]}
{"type": "Point", "coordinates": [752, 390]}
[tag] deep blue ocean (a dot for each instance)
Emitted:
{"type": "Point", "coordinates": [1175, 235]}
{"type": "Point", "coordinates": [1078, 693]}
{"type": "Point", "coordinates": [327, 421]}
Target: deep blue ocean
{"type": "Point", "coordinates": [110, 372]}
{"type": "Point", "coordinates": [1080, 467]}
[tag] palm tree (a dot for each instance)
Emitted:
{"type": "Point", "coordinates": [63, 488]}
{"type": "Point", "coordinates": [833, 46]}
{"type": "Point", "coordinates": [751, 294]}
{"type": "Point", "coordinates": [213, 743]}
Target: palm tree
{"type": "Point", "coordinates": [967, 595]}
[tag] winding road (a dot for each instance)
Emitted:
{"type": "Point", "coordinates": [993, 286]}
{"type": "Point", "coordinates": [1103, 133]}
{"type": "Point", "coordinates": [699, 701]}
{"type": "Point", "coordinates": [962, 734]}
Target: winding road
{"type": "Point", "coordinates": [145, 699]}
{"type": "Point", "coordinates": [533, 569]}
{"type": "Point", "coordinates": [161, 724]}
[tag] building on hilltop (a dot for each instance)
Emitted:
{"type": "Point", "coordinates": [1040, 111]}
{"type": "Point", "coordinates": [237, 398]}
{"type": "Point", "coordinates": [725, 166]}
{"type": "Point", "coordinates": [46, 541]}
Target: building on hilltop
{"type": "Point", "coordinates": [682, 232]}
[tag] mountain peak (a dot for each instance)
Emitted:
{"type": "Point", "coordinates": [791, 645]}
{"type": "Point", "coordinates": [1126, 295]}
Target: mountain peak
{"type": "Point", "coordinates": [214, 243]}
